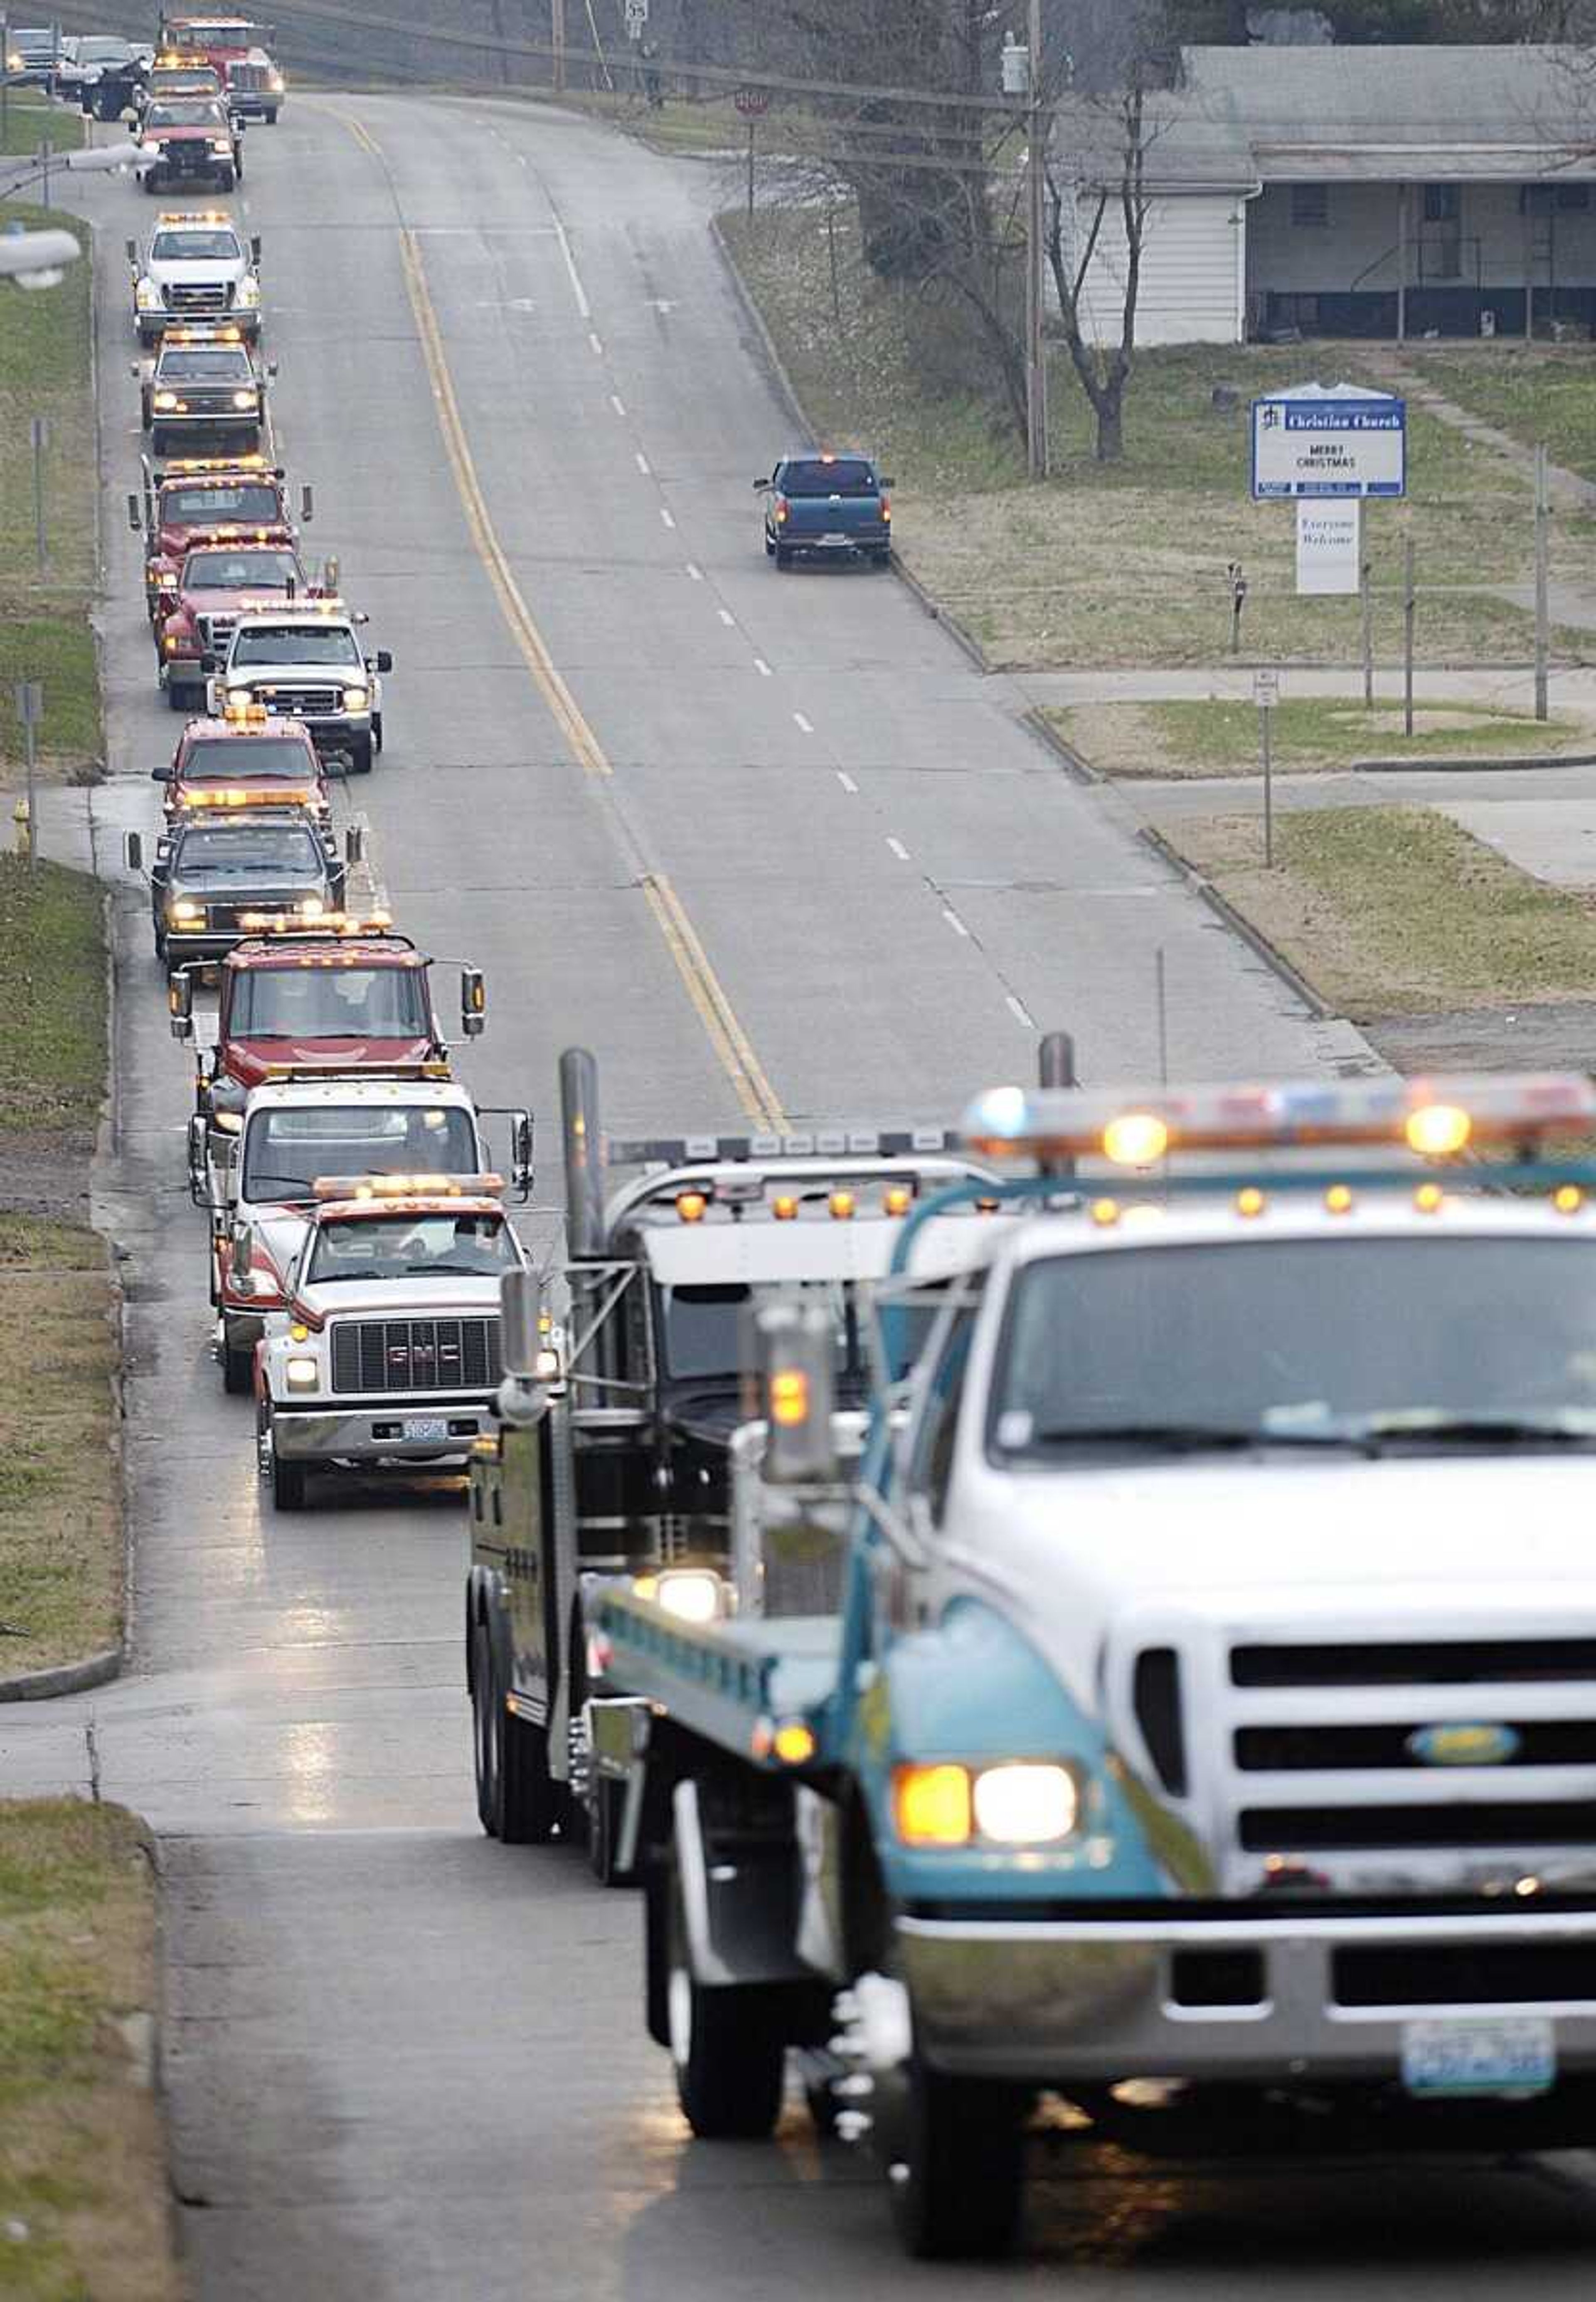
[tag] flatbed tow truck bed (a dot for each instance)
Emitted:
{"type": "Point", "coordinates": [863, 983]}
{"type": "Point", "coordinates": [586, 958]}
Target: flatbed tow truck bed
{"type": "Point", "coordinates": [725, 1681]}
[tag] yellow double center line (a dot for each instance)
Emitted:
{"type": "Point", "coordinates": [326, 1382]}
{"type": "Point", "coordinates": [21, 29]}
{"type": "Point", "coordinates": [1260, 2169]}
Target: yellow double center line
{"type": "Point", "coordinates": [730, 1041]}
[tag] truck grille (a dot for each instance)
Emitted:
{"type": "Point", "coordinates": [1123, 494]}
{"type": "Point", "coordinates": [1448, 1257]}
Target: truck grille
{"type": "Point", "coordinates": [1287, 1750]}
{"type": "Point", "coordinates": [1463, 1974]}
{"type": "Point", "coordinates": [1450, 1662]}
{"type": "Point", "coordinates": [246, 76]}
{"type": "Point", "coordinates": [1489, 1822]}
{"type": "Point", "coordinates": [301, 703]}
{"type": "Point", "coordinates": [388, 1355]}
{"type": "Point", "coordinates": [215, 631]}
{"type": "Point", "coordinates": [199, 299]}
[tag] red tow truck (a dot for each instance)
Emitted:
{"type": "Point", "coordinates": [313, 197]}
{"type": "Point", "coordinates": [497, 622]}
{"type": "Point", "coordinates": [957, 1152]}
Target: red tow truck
{"type": "Point", "coordinates": [347, 997]}
{"type": "Point", "coordinates": [245, 760]}
{"type": "Point", "coordinates": [218, 582]}
{"type": "Point", "coordinates": [208, 500]}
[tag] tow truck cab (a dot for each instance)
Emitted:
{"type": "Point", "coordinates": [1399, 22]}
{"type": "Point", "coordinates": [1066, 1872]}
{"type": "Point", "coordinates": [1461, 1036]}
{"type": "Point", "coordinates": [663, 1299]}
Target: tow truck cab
{"type": "Point", "coordinates": [256, 86]}
{"type": "Point", "coordinates": [218, 584]}
{"type": "Point", "coordinates": [1208, 1701]}
{"type": "Point", "coordinates": [245, 760]}
{"type": "Point", "coordinates": [208, 499]}
{"type": "Point", "coordinates": [260, 1176]}
{"type": "Point", "coordinates": [626, 1471]}
{"type": "Point", "coordinates": [349, 995]}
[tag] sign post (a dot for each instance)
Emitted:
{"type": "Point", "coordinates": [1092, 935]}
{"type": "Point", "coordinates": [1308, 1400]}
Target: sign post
{"type": "Point", "coordinates": [30, 711]}
{"type": "Point", "coordinates": [40, 434]}
{"type": "Point", "coordinates": [1266, 693]}
{"type": "Point", "coordinates": [752, 103]}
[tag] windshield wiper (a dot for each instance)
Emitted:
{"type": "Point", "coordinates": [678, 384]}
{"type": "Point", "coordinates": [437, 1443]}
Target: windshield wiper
{"type": "Point", "coordinates": [1572, 1427]}
{"type": "Point", "coordinates": [295, 1183]}
{"type": "Point", "coordinates": [1189, 1438]}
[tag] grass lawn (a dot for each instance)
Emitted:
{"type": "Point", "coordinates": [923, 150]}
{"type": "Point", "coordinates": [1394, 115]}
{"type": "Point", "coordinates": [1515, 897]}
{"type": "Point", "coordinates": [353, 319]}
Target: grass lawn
{"type": "Point", "coordinates": [1123, 565]}
{"type": "Point", "coordinates": [43, 618]}
{"type": "Point", "coordinates": [706, 124]}
{"type": "Point", "coordinates": [53, 1017]}
{"type": "Point", "coordinates": [85, 2203]}
{"type": "Point", "coordinates": [1536, 392]}
{"type": "Point", "coordinates": [32, 120]}
{"type": "Point", "coordinates": [1396, 911]}
{"type": "Point", "coordinates": [1307, 735]}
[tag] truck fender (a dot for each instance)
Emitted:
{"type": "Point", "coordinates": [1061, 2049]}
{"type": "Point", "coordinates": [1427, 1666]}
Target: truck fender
{"type": "Point", "coordinates": [971, 1688]}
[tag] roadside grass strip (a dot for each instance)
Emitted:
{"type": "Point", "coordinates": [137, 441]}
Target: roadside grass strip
{"type": "Point", "coordinates": [1309, 735]}
{"type": "Point", "coordinates": [45, 631]}
{"type": "Point", "coordinates": [53, 1017]}
{"type": "Point", "coordinates": [1124, 564]}
{"type": "Point", "coordinates": [1391, 910]}
{"type": "Point", "coordinates": [85, 2201]}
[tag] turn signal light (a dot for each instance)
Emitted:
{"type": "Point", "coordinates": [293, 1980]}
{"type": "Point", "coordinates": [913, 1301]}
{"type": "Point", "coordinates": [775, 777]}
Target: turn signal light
{"type": "Point", "coordinates": [931, 1805]}
{"type": "Point", "coordinates": [789, 1395]}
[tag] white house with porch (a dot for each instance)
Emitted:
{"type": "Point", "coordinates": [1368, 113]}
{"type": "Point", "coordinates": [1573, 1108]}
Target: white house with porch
{"type": "Point", "coordinates": [1388, 192]}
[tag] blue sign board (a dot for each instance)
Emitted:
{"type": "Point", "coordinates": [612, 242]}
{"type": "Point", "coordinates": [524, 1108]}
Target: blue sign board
{"type": "Point", "coordinates": [1325, 443]}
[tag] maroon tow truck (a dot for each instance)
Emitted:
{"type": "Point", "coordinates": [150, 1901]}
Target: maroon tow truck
{"type": "Point", "coordinates": [217, 583]}
{"type": "Point", "coordinates": [346, 997]}
{"type": "Point", "coordinates": [208, 500]}
{"type": "Point", "coordinates": [245, 760]}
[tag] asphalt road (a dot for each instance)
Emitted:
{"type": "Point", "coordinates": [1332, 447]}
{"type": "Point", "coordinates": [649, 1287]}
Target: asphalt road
{"type": "Point", "coordinates": [773, 841]}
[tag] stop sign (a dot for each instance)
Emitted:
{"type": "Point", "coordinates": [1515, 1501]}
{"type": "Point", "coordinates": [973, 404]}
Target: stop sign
{"type": "Point", "coordinates": [753, 102]}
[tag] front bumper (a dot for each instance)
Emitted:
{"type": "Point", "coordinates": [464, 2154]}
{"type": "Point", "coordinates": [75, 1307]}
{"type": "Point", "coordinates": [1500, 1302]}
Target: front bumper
{"type": "Point", "coordinates": [374, 1432]}
{"type": "Point", "coordinates": [207, 423]}
{"type": "Point", "coordinates": [151, 325]}
{"type": "Point", "coordinates": [1052, 2001]}
{"type": "Point", "coordinates": [175, 165]}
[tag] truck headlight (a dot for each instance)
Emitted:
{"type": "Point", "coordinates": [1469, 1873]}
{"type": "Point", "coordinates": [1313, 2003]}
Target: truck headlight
{"type": "Point", "coordinates": [183, 912]}
{"type": "Point", "coordinates": [696, 1594]}
{"type": "Point", "coordinates": [248, 295]}
{"type": "Point", "coordinates": [357, 699]}
{"type": "Point", "coordinates": [1025, 1802]}
{"type": "Point", "coordinates": [165, 399]}
{"type": "Point", "coordinates": [303, 1373]}
{"type": "Point", "coordinates": [243, 399]}
{"type": "Point", "coordinates": [221, 147]}
{"type": "Point", "coordinates": [148, 296]}
{"type": "Point", "coordinates": [311, 907]}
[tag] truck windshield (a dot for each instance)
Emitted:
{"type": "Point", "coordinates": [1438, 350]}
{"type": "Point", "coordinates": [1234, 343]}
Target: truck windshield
{"type": "Point", "coordinates": [246, 758]}
{"type": "Point", "coordinates": [285, 1151]}
{"type": "Point", "coordinates": [412, 1247]}
{"type": "Point", "coordinates": [1296, 1339]}
{"type": "Point", "coordinates": [291, 851]}
{"type": "Point", "coordinates": [241, 571]}
{"type": "Point", "coordinates": [329, 1003]}
{"type": "Point", "coordinates": [194, 247]}
{"type": "Point", "coordinates": [176, 113]}
{"type": "Point", "coordinates": [221, 366]}
{"type": "Point", "coordinates": [295, 643]}
{"type": "Point", "coordinates": [250, 505]}
{"type": "Point", "coordinates": [848, 475]}
{"type": "Point", "coordinates": [702, 1336]}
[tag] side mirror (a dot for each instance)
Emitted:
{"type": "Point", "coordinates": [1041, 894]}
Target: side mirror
{"type": "Point", "coordinates": [214, 699]}
{"type": "Point", "coordinates": [135, 515]}
{"type": "Point", "coordinates": [255, 250]}
{"type": "Point", "coordinates": [271, 370]}
{"type": "Point", "coordinates": [760, 486]}
{"type": "Point", "coordinates": [207, 662]}
{"type": "Point", "coordinates": [521, 1148]}
{"type": "Point", "coordinates": [307, 503]}
{"type": "Point", "coordinates": [196, 1159]}
{"type": "Point", "coordinates": [519, 1303]}
{"type": "Point", "coordinates": [354, 843]}
{"type": "Point", "coordinates": [163, 774]}
{"type": "Point", "coordinates": [132, 849]}
{"type": "Point", "coordinates": [136, 370]}
{"type": "Point", "coordinates": [474, 1001]}
{"type": "Point", "coordinates": [179, 1004]}
{"type": "Point", "coordinates": [330, 576]}
{"type": "Point", "coordinates": [132, 247]}
{"type": "Point", "coordinates": [796, 1351]}
{"type": "Point", "coordinates": [240, 1253]}
{"type": "Point", "coordinates": [384, 660]}
{"type": "Point", "coordinates": [883, 483]}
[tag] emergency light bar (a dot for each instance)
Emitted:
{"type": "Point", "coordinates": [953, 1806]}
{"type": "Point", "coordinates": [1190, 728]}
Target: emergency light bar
{"type": "Point", "coordinates": [233, 795]}
{"type": "Point", "coordinates": [1437, 1118]}
{"type": "Point", "coordinates": [200, 335]}
{"type": "Point", "coordinates": [240, 712]}
{"type": "Point", "coordinates": [326, 923]}
{"type": "Point", "coordinates": [190, 217]}
{"type": "Point", "coordinates": [356, 1188]}
{"type": "Point", "coordinates": [828, 1143]}
{"type": "Point", "coordinates": [253, 464]}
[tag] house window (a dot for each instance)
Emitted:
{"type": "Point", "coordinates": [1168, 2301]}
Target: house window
{"type": "Point", "coordinates": [1310, 204]}
{"type": "Point", "coordinates": [1443, 204]}
{"type": "Point", "coordinates": [1547, 200]}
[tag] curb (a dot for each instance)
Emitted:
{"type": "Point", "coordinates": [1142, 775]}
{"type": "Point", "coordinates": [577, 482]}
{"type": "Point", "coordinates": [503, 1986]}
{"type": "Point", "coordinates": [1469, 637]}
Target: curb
{"type": "Point", "coordinates": [1490, 766]}
{"type": "Point", "coordinates": [1078, 769]}
{"type": "Point", "coordinates": [65, 1678]}
{"type": "Point", "coordinates": [787, 392]}
{"type": "Point", "coordinates": [1225, 911]}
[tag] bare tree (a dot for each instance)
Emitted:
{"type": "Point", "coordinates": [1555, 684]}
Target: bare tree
{"type": "Point", "coordinates": [1104, 371]}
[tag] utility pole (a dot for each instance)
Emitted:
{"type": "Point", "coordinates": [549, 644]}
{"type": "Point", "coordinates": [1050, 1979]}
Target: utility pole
{"type": "Point", "coordinates": [4, 79]}
{"type": "Point", "coordinates": [557, 27]}
{"type": "Point", "coordinates": [1542, 632]}
{"type": "Point", "coordinates": [1036, 371]}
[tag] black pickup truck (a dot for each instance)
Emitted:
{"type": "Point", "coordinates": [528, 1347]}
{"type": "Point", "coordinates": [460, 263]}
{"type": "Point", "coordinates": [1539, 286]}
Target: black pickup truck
{"type": "Point", "coordinates": [826, 507]}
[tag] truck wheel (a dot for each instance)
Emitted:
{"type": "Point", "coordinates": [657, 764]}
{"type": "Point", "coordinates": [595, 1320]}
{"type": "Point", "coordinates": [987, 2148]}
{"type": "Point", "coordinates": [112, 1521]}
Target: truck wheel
{"type": "Point", "coordinates": [603, 1831]}
{"type": "Point", "coordinates": [783, 556]}
{"type": "Point", "coordinates": [882, 559]}
{"type": "Point", "coordinates": [288, 1479]}
{"type": "Point", "coordinates": [729, 2058]}
{"type": "Point", "coordinates": [958, 2182]}
{"type": "Point", "coordinates": [238, 1374]}
{"type": "Point", "coordinates": [189, 699]}
{"type": "Point", "coordinates": [515, 1798]}
{"type": "Point", "coordinates": [360, 756]}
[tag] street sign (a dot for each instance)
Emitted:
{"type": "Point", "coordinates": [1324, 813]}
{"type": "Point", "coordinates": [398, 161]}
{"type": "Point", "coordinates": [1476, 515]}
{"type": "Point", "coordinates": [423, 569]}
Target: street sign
{"type": "Point", "coordinates": [752, 103]}
{"type": "Point", "coordinates": [1267, 687]}
{"type": "Point", "coordinates": [1335, 440]}
{"type": "Point", "coordinates": [31, 701]}
{"type": "Point", "coordinates": [637, 13]}
{"type": "Point", "coordinates": [1327, 546]}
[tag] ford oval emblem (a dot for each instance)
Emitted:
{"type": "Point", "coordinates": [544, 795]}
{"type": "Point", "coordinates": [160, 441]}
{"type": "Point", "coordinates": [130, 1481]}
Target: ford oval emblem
{"type": "Point", "coordinates": [1464, 1745]}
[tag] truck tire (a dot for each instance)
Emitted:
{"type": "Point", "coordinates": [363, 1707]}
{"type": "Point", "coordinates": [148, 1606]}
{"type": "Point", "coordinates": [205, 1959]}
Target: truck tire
{"type": "Point", "coordinates": [727, 2053]}
{"type": "Point", "coordinates": [958, 2178]}
{"type": "Point", "coordinates": [603, 1829]}
{"type": "Point", "coordinates": [288, 1478]}
{"type": "Point", "coordinates": [516, 1800]}
{"type": "Point", "coordinates": [360, 756]}
{"type": "Point", "coordinates": [783, 556]}
{"type": "Point", "coordinates": [237, 1372]}
{"type": "Point", "coordinates": [189, 699]}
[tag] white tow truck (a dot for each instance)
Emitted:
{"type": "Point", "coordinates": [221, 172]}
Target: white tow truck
{"type": "Point", "coordinates": [1208, 1731]}
{"type": "Point", "coordinates": [386, 1353]}
{"type": "Point", "coordinates": [198, 266]}
{"type": "Point", "coordinates": [307, 662]}
{"type": "Point", "coordinates": [261, 1169]}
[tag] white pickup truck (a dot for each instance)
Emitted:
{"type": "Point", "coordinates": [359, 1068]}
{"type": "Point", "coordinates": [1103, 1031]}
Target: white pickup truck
{"type": "Point", "coordinates": [198, 266]}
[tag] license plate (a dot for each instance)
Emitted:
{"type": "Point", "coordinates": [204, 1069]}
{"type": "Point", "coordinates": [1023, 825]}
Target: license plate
{"type": "Point", "coordinates": [425, 1427]}
{"type": "Point", "coordinates": [835, 539]}
{"type": "Point", "coordinates": [1505, 2055]}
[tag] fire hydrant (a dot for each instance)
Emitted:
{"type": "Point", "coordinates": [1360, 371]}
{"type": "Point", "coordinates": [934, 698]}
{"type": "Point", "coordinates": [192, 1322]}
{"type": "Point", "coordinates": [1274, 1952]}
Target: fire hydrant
{"type": "Point", "coordinates": [18, 816]}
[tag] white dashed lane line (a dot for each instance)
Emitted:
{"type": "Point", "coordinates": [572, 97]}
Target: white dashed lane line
{"type": "Point", "coordinates": [577, 289]}
{"type": "Point", "coordinates": [847, 781]}
{"type": "Point", "coordinates": [955, 923]}
{"type": "Point", "coordinates": [807, 726]}
{"type": "Point", "coordinates": [697, 574]}
{"type": "Point", "coordinates": [667, 515]}
{"type": "Point", "coordinates": [617, 403]}
{"type": "Point", "coordinates": [598, 348]}
{"type": "Point", "coordinates": [898, 849]}
{"type": "Point", "coordinates": [642, 461]}
{"type": "Point", "coordinates": [1019, 1010]}
{"type": "Point", "coordinates": [725, 617]}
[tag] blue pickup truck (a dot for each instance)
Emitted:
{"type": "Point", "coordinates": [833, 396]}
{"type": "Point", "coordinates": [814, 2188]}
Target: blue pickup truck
{"type": "Point", "coordinates": [826, 507]}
